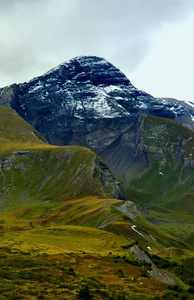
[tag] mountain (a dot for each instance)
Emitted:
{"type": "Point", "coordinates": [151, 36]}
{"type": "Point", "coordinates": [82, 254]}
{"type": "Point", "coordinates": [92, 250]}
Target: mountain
{"type": "Point", "coordinates": [89, 102]}
{"type": "Point", "coordinates": [59, 216]}
{"type": "Point", "coordinates": [86, 88]}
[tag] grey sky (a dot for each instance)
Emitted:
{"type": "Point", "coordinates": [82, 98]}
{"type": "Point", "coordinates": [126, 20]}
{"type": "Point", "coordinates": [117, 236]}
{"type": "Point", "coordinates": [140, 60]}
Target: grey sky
{"type": "Point", "coordinates": [151, 41]}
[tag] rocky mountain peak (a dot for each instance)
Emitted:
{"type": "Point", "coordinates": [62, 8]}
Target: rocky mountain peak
{"type": "Point", "coordinates": [93, 69]}
{"type": "Point", "coordinates": [87, 87]}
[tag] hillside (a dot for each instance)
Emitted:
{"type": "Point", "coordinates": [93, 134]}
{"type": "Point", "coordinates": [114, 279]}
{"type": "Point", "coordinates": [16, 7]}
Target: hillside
{"type": "Point", "coordinates": [62, 214]}
{"type": "Point", "coordinates": [57, 221]}
{"type": "Point", "coordinates": [169, 149]}
{"type": "Point", "coordinates": [15, 133]}
{"type": "Point", "coordinates": [40, 171]}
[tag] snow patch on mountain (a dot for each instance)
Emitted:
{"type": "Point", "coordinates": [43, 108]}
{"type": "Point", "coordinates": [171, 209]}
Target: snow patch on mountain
{"type": "Point", "coordinates": [91, 87]}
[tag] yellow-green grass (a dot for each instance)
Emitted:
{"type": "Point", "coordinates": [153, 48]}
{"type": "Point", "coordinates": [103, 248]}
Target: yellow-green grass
{"type": "Point", "coordinates": [16, 133]}
{"type": "Point", "coordinates": [61, 276]}
{"type": "Point", "coordinates": [65, 239]}
{"type": "Point", "coordinates": [88, 211]}
{"type": "Point", "coordinates": [59, 240]}
{"type": "Point", "coordinates": [57, 261]}
{"type": "Point", "coordinates": [48, 242]}
{"type": "Point", "coordinates": [152, 236]}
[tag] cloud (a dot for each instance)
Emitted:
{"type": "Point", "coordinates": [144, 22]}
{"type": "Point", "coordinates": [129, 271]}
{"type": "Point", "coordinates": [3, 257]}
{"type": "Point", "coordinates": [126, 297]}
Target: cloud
{"type": "Point", "coordinates": [36, 35]}
{"type": "Point", "coordinates": [169, 65]}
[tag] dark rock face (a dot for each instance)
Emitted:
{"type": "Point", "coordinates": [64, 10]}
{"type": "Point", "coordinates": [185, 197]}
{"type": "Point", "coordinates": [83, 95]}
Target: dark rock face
{"type": "Point", "coordinates": [86, 88]}
{"type": "Point", "coordinates": [111, 186]}
{"type": "Point", "coordinates": [9, 95]}
{"type": "Point", "coordinates": [89, 102]}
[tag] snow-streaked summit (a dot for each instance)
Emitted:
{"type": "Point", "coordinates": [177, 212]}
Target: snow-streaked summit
{"type": "Point", "coordinates": [90, 87]}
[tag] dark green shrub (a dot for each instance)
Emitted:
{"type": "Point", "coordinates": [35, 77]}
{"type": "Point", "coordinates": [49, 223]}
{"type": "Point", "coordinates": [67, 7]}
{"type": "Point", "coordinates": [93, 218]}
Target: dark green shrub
{"type": "Point", "coordinates": [168, 296]}
{"type": "Point", "coordinates": [8, 274]}
{"type": "Point", "coordinates": [120, 273]}
{"type": "Point", "coordinates": [126, 246]}
{"type": "Point", "coordinates": [191, 290]}
{"type": "Point", "coordinates": [174, 264]}
{"type": "Point", "coordinates": [173, 287]}
{"type": "Point", "coordinates": [148, 254]}
{"type": "Point", "coordinates": [179, 270]}
{"type": "Point", "coordinates": [144, 273]}
{"type": "Point", "coordinates": [121, 297]}
{"type": "Point", "coordinates": [184, 297]}
{"type": "Point", "coordinates": [71, 271]}
{"type": "Point", "coordinates": [40, 297]}
{"type": "Point", "coordinates": [191, 282]}
{"type": "Point", "coordinates": [85, 293]}
{"type": "Point", "coordinates": [127, 261]}
{"type": "Point", "coordinates": [165, 264]}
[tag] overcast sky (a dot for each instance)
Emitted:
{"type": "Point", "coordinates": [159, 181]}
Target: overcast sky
{"type": "Point", "coordinates": [151, 41]}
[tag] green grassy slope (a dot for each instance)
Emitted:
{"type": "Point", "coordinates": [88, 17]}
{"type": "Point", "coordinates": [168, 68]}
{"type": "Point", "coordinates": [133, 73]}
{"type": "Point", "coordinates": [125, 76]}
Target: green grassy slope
{"type": "Point", "coordinates": [52, 200]}
{"type": "Point", "coordinates": [170, 150]}
{"type": "Point", "coordinates": [49, 175]}
{"type": "Point", "coordinates": [32, 171]}
{"type": "Point", "coordinates": [169, 179]}
{"type": "Point", "coordinates": [165, 191]}
{"type": "Point", "coordinates": [15, 133]}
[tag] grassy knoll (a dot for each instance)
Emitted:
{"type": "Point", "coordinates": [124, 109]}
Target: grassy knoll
{"type": "Point", "coordinates": [65, 239]}
{"type": "Point", "coordinates": [88, 211]}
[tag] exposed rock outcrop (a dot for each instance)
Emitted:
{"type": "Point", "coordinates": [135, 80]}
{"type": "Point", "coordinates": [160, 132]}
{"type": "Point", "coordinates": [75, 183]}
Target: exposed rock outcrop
{"type": "Point", "coordinates": [109, 183]}
{"type": "Point", "coordinates": [9, 96]}
{"type": "Point", "coordinates": [11, 162]}
{"type": "Point", "coordinates": [130, 210]}
{"type": "Point", "coordinates": [155, 272]}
